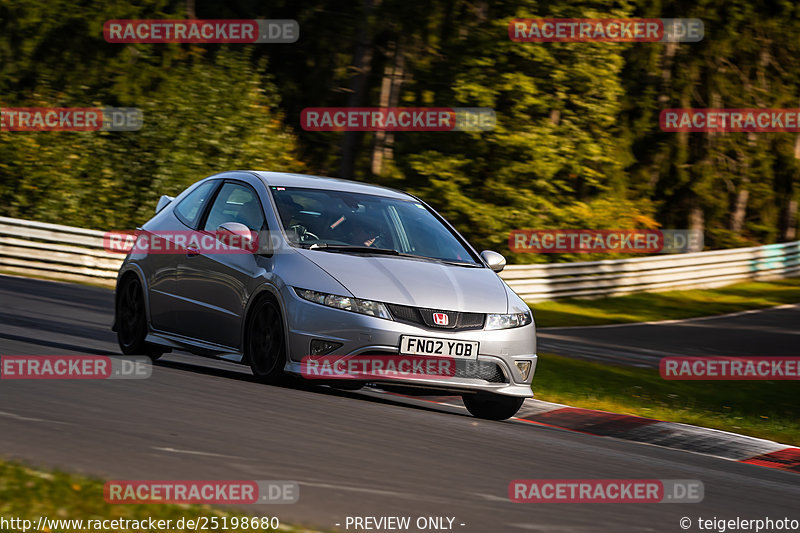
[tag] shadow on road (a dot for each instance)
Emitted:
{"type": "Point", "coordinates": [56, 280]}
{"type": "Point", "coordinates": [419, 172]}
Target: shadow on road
{"type": "Point", "coordinates": [297, 383]}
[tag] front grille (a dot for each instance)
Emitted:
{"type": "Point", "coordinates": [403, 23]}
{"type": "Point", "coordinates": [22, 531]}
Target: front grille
{"type": "Point", "coordinates": [421, 316]}
{"type": "Point", "coordinates": [405, 314]}
{"type": "Point", "coordinates": [471, 320]}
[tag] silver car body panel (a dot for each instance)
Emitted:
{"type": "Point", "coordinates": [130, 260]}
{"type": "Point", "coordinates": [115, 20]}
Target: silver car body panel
{"type": "Point", "coordinates": [200, 303]}
{"type": "Point", "coordinates": [413, 282]}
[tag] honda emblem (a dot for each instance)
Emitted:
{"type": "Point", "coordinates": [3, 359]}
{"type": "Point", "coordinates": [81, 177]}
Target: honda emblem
{"type": "Point", "coordinates": [440, 319]}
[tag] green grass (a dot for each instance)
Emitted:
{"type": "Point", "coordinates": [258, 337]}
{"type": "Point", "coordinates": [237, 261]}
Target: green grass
{"type": "Point", "coordinates": [765, 409]}
{"type": "Point", "coordinates": [29, 493]}
{"type": "Point", "coordinates": [647, 306]}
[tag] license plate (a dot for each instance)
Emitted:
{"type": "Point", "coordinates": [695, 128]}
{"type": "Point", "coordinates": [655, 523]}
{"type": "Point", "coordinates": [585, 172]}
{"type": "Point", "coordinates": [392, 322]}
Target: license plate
{"type": "Point", "coordinates": [438, 347]}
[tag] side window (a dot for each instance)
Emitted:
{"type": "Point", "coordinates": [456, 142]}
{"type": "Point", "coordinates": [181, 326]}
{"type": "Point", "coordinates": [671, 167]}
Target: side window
{"type": "Point", "coordinates": [189, 209]}
{"type": "Point", "coordinates": [235, 203]}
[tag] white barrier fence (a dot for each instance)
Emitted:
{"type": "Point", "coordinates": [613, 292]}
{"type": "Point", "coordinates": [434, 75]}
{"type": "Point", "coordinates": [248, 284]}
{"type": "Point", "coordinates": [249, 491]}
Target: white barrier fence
{"type": "Point", "coordinates": [653, 273]}
{"type": "Point", "coordinates": [76, 254]}
{"type": "Point", "coordinates": [54, 251]}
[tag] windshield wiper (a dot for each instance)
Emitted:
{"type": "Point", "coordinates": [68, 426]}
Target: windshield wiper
{"type": "Point", "coordinates": [444, 261]}
{"type": "Point", "coordinates": [354, 249]}
{"type": "Point", "coordinates": [455, 263]}
{"type": "Point", "coordinates": [384, 251]}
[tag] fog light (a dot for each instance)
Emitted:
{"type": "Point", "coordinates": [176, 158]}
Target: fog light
{"type": "Point", "coordinates": [524, 368]}
{"type": "Point", "coordinates": [320, 347]}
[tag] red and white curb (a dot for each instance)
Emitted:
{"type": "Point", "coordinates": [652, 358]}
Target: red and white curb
{"type": "Point", "coordinates": [713, 442]}
{"type": "Point", "coordinates": [674, 435]}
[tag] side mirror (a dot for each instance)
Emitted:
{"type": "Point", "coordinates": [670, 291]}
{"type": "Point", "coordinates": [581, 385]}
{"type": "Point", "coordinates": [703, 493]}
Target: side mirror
{"type": "Point", "coordinates": [234, 234]}
{"type": "Point", "coordinates": [495, 261]}
{"type": "Point", "coordinates": [163, 202]}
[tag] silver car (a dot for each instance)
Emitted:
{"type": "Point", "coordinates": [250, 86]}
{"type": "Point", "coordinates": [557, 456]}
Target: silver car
{"type": "Point", "coordinates": [327, 267]}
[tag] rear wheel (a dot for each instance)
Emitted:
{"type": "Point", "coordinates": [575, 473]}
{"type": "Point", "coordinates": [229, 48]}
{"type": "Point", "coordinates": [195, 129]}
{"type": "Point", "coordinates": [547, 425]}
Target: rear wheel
{"type": "Point", "coordinates": [492, 406]}
{"type": "Point", "coordinates": [266, 342]}
{"type": "Point", "coordinates": [132, 321]}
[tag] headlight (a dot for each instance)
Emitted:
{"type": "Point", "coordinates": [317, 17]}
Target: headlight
{"type": "Point", "coordinates": [515, 320]}
{"type": "Point", "coordinates": [364, 307]}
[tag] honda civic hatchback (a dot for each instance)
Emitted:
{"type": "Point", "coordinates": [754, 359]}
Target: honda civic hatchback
{"type": "Point", "coordinates": [280, 270]}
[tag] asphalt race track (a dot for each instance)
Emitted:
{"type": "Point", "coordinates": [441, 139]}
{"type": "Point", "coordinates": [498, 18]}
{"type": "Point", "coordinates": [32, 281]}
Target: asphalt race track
{"type": "Point", "coordinates": [771, 332]}
{"type": "Point", "coordinates": [353, 454]}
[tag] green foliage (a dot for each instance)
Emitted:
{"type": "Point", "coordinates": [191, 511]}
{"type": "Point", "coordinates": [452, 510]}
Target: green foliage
{"type": "Point", "coordinates": [577, 142]}
{"type": "Point", "coordinates": [555, 148]}
{"type": "Point", "coordinates": [749, 58]}
{"type": "Point", "coordinates": [203, 113]}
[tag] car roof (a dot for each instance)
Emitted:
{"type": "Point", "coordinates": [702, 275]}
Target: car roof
{"type": "Point", "coordinates": [286, 179]}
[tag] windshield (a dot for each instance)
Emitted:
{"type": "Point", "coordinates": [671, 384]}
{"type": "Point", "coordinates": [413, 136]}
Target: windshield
{"type": "Point", "coordinates": [333, 220]}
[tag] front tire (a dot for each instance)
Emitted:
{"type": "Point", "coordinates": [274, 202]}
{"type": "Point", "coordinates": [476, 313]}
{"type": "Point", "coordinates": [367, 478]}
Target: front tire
{"type": "Point", "coordinates": [492, 406]}
{"type": "Point", "coordinates": [266, 342]}
{"type": "Point", "coordinates": [132, 321]}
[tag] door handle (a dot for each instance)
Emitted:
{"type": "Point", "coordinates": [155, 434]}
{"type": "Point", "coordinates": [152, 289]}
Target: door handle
{"type": "Point", "coordinates": [191, 252]}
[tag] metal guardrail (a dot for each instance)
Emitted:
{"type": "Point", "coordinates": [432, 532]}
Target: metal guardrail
{"type": "Point", "coordinates": [75, 254]}
{"type": "Point", "coordinates": [54, 251]}
{"type": "Point", "coordinates": [655, 273]}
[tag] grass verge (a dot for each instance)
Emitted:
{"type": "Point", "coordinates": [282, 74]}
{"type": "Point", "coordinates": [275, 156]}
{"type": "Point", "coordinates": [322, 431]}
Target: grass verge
{"type": "Point", "coordinates": [765, 409]}
{"type": "Point", "coordinates": [28, 493]}
{"type": "Point", "coordinates": [647, 306]}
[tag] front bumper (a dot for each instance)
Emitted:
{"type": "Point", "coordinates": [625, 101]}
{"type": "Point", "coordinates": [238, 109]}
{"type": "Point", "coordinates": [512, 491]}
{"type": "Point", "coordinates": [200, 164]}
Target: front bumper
{"type": "Point", "coordinates": [366, 335]}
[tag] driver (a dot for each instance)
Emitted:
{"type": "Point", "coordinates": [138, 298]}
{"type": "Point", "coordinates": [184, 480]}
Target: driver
{"type": "Point", "coordinates": [361, 236]}
{"type": "Point", "coordinates": [287, 209]}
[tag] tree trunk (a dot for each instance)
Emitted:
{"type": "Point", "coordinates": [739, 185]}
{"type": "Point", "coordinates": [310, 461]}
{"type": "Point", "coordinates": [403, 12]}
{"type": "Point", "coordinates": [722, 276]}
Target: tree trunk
{"type": "Point", "coordinates": [362, 61]}
{"type": "Point", "coordinates": [393, 73]}
{"type": "Point", "coordinates": [789, 232]}
{"type": "Point", "coordinates": [696, 220]}
{"type": "Point", "coordinates": [740, 207]}
{"type": "Point", "coordinates": [667, 59]}
{"type": "Point", "coordinates": [790, 221]}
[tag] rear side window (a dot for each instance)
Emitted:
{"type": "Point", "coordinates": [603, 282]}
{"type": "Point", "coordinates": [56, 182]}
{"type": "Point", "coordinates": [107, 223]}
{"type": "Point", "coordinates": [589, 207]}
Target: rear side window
{"type": "Point", "coordinates": [189, 209]}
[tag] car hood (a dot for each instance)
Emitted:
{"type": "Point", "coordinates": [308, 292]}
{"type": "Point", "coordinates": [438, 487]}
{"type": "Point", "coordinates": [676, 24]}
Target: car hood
{"type": "Point", "coordinates": [414, 282]}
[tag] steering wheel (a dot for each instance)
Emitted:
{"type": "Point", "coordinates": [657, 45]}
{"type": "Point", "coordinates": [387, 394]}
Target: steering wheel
{"type": "Point", "coordinates": [302, 233]}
